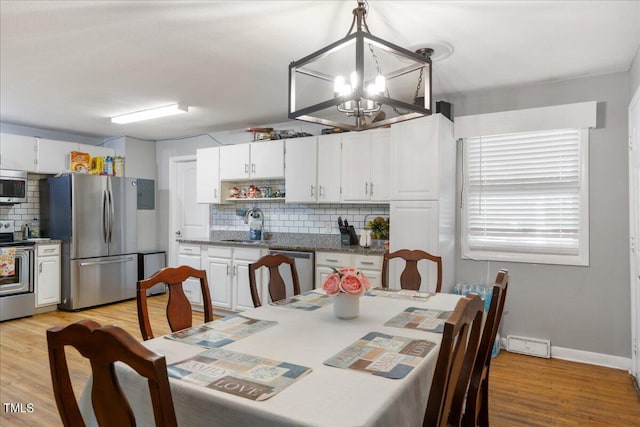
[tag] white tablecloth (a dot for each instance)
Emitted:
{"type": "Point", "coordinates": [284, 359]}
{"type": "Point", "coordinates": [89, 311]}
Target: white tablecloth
{"type": "Point", "coordinates": [327, 396]}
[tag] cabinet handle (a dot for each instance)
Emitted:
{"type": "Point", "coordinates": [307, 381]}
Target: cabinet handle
{"type": "Point", "coordinates": [312, 191]}
{"type": "Point", "coordinates": [371, 188]}
{"type": "Point", "coordinates": [332, 260]}
{"type": "Point", "coordinates": [366, 262]}
{"type": "Point", "coordinates": [40, 268]}
{"type": "Point", "coordinates": [366, 188]}
{"type": "Point", "coordinates": [253, 168]}
{"type": "Point", "coordinates": [227, 269]}
{"type": "Point", "coordinates": [246, 168]}
{"type": "Point", "coordinates": [49, 250]}
{"type": "Point", "coordinates": [321, 192]}
{"type": "Point", "coordinates": [215, 193]}
{"type": "Point", "coordinates": [235, 270]}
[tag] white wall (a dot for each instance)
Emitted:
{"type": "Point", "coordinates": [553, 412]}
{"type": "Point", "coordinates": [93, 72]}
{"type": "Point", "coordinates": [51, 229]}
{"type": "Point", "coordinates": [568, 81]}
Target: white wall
{"type": "Point", "coordinates": [580, 308]}
{"type": "Point", "coordinates": [634, 74]}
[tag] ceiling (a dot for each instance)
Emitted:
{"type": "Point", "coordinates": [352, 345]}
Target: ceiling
{"type": "Point", "coordinates": [71, 65]}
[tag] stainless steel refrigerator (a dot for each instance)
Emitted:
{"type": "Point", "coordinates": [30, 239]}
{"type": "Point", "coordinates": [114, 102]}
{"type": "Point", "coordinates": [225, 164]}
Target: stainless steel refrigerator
{"type": "Point", "coordinates": [95, 217]}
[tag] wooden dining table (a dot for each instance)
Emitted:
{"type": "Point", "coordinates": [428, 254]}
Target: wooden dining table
{"type": "Point", "coordinates": [326, 395]}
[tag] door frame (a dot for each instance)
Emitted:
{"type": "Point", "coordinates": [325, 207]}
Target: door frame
{"type": "Point", "coordinates": [634, 237]}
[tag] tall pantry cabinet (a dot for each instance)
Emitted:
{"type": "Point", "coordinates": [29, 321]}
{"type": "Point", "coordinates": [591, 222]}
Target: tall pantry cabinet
{"type": "Point", "coordinates": [422, 200]}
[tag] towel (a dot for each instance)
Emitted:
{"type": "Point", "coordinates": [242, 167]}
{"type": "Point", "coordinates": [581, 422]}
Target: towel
{"type": "Point", "coordinates": [7, 261]}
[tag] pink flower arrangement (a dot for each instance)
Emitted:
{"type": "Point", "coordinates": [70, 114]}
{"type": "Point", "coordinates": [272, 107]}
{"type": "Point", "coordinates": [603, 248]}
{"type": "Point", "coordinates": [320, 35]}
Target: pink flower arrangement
{"type": "Point", "coordinates": [347, 280]}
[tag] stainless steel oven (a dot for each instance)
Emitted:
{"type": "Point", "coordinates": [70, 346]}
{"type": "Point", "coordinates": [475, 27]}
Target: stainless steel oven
{"type": "Point", "coordinates": [13, 187]}
{"type": "Point", "coordinates": [17, 297]}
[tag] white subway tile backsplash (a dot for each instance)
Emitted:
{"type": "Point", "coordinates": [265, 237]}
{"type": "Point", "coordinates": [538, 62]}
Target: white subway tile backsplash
{"type": "Point", "coordinates": [25, 212]}
{"type": "Point", "coordinates": [290, 218]}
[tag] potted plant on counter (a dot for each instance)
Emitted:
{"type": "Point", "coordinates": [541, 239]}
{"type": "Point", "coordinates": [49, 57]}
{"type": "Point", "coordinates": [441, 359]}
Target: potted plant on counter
{"type": "Point", "coordinates": [379, 227]}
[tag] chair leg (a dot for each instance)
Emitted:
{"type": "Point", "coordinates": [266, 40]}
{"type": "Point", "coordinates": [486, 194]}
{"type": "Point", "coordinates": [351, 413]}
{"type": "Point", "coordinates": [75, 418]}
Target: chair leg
{"type": "Point", "coordinates": [483, 416]}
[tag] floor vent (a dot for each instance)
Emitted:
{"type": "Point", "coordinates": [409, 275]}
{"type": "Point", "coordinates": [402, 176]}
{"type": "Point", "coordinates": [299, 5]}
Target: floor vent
{"type": "Point", "coordinates": [530, 346]}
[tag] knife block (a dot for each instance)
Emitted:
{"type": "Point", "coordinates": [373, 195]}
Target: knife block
{"type": "Point", "coordinates": [348, 236]}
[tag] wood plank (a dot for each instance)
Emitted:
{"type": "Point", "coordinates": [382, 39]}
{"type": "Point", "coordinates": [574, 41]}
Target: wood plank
{"type": "Point", "coordinates": [524, 391]}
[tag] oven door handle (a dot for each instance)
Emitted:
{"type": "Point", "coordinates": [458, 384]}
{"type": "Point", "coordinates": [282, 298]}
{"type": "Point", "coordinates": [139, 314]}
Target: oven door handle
{"type": "Point", "coordinates": [114, 261]}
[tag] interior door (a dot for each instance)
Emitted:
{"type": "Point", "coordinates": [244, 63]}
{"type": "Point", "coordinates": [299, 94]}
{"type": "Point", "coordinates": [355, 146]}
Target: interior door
{"type": "Point", "coordinates": [634, 229]}
{"type": "Point", "coordinates": [187, 218]}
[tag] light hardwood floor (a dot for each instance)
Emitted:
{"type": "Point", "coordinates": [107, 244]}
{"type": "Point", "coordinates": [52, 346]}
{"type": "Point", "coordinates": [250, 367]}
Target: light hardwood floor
{"type": "Point", "coordinates": [525, 391]}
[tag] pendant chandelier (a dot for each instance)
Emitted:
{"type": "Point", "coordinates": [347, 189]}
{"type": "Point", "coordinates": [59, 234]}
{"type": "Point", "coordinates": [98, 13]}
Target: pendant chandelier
{"type": "Point", "coordinates": [360, 81]}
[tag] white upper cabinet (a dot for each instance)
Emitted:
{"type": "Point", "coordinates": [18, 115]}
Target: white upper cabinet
{"type": "Point", "coordinates": [301, 170]}
{"type": "Point", "coordinates": [18, 152]}
{"type": "Point", "coordinates": [256, 160]}
{"type": "Point", "coordinates": [329, 177]}
{"type": "Point", "coordinates": [365, 166]}
{"type": "Point", "coordinates": [422, 152]}
{"type": "Point", "coordinates": [53, 156]}
{"type": "Point", "coordinates": [208, 175]}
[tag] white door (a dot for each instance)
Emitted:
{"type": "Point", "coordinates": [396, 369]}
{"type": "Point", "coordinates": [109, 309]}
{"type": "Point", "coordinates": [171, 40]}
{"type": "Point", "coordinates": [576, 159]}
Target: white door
{"type": "Point", "coordinates": [634, 229]}
{"type": "Point", "coordinates": [267, 159]}
{"type": "Point", "coordinates": [329, 159]}
{"type": "Point", "coordinates": [356, 166]}
{"type": "Point", "coordinates": [234, 162]}
{"type": "Point", "coordinates": [380, 149]}
{"type": "Point", "coordinates": [208, 175]}
{"type": "Point", "coordinates": [187, 218]}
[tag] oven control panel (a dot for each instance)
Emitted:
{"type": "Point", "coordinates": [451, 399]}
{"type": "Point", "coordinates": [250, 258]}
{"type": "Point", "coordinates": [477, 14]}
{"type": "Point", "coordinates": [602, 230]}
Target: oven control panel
{"type": "Point", "coordinates": [7, 226]}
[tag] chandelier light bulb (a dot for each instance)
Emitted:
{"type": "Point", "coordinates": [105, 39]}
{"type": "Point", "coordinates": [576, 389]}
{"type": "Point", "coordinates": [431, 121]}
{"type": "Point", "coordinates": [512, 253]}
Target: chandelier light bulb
{"type": "Point", "coordinates": [380, 84]}
{"type": "Point", "coordinates": [354, 80]}
{"type": "Point", "coordinates": [338, 85]}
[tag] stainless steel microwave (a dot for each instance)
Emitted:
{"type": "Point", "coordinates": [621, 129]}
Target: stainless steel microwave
{"type": "Point", "coordinates": [13, 186]}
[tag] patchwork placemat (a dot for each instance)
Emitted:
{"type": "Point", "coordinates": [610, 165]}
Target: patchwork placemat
{"type": "Point", "coordinates": [221, 332]}
{"type": "Point", "coordinates": [243, 375]}
{"type": "Point", "coordinates": [308, 301]}
{"type": "Point", "coordinates": [420, 318]}
{"type": "Point", "coordinates": [399, 293]}
{"type": "Point", "coordinates": [383, 355]}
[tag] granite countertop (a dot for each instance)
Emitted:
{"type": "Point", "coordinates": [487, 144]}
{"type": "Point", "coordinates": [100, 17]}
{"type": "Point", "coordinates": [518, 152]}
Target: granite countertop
{"type": "Point", "coordinates": [284, 241]}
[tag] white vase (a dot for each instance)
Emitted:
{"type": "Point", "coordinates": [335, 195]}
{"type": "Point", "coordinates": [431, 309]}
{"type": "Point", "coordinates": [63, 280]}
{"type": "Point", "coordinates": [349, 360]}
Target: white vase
{"type": "Point", "coordinates": [346, 306]}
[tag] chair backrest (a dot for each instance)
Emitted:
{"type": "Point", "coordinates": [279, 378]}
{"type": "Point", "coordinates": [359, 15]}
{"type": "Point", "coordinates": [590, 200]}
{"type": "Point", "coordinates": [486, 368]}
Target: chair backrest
{"type": "Point", "coordinates": [458, 350]}
{"type": "Point", "coordinates": [410, 277]}
{"type": "Point", "coordinates": [179, 312]}
{"type": "Point", "coordinates": [104, 345]}
{"type": "Point", "coordinates": [476, 412]}
{"type": "Point", "coordinates": [277, 287]}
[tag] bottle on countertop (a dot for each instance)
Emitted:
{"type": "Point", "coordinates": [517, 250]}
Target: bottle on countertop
{"type": "Point", "coordinates": [255, 228]}
{"type": "Point", "coordinates": [33, 229]}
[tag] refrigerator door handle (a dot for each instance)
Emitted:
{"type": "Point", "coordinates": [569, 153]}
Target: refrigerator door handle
{"type": "Point", "coordinates": [114, 261]}
{"type": "Point", "coordinates": [105, 215]}
{"type": "Point", "coordinates": [111, 215]}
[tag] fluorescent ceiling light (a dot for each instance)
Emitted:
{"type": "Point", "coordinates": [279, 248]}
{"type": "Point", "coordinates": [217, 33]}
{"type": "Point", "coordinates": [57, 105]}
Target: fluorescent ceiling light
{"type": "Point", "coordinates": [152, 113]}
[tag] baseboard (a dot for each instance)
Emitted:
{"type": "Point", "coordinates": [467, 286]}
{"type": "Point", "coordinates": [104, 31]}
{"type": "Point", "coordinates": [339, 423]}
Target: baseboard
{"type": "Point", "coordinates": [588, 357]}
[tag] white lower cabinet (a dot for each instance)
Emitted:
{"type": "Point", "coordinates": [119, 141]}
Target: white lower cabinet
{"type": "Point", "coordinates": [228, 276]}
{"type": "Point", "coordinates": [369, 265]}
{"type": "Point", "coordinates": [47, 274]}
{"type": "Point", "coordinates": [190, 255]}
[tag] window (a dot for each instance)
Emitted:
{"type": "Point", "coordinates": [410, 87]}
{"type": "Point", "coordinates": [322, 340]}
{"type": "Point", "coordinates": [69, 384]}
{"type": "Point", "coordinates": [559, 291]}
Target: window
{"type": "Point", "coordinates": [525, 197]}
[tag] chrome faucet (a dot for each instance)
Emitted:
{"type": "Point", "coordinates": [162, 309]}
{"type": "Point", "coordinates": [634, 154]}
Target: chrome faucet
{"type": "Point", "coordinates": [255, 212]}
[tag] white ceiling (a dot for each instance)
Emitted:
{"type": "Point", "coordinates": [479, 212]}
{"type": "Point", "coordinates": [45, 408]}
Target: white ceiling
{"type": "Point", "coordinates": [70, 65]}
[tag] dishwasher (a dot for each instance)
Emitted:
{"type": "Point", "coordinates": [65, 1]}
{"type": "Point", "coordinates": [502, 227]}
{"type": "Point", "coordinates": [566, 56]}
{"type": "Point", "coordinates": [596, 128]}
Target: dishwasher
{"type": "Point", "coordinates": [304, 266]}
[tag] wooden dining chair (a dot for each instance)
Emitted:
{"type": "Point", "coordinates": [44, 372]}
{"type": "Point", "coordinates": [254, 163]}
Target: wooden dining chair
{"type": "Point", "coordinates": [103, 346]}
{"type": "Point", "coordinates": [476, 411]}
{"type": "Point", "coordinates": [410, 277]}
{"type": "Point", "coordinates": [277, 287]}
{"type": "Point", "coordinates": [179, 314]}
{"type": "Point", "coordinates": [458, 350]}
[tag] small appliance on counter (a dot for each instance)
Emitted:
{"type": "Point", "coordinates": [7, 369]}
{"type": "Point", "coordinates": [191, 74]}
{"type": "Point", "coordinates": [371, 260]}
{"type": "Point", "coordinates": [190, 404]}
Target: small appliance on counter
{"type": "Point", "coordinates": [348, 235]}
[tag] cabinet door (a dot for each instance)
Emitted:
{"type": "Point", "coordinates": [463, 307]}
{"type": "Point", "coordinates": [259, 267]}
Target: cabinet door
{"type": "Point", "coordinates": [208, 175]}
{"type": "Point", "coordinates": [415, 225]}
{"type": "Point", "coordinates": [48, 281]}
{"type": "Point", "coordinates": [379, 188]}
{"type": "Point", "coordinates": [300, 171]}
{"type": "Point", "coordinates": [374, 276]}
{"type": "Point", "coordinates": [321, 275]}
{"type": "Point", "coordinates": [18, 152]}
{"type": "Point", "coordinates": [219, 277]}
{"type": "Point", "coordinates": [234, 162]}
{"type": "Point", "coordinates": [190, 255]}
{"type": "Point", "coordinates": [415, 159]}
{"type": "Point", "coordinates": [241, 260]}
{"type": "Point", "coordinates": [356, 166]}
{"type": "Point", "coordinates": [53, 156]}
{"type": "Point", "coordinates": [329, 157]}
{"type": "Point", "coordinates": [267, 159]}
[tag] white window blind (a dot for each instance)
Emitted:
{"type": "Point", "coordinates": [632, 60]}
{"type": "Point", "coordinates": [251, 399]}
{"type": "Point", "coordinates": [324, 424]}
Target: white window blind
{"type": "Point", "coordinates": [525, 197]}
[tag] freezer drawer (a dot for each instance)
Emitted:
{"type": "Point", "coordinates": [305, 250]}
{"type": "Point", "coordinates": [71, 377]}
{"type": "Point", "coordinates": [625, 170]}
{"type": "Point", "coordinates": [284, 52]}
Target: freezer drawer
{"type": "Point", "coordinates": [149, 263]}
{"type": "Point", "coordinates": [96, 281]}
